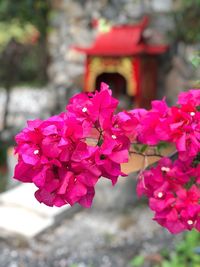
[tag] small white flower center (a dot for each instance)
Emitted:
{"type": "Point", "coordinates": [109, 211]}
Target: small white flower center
{"type": "Point", "coordinates": [192, 113]}
{"type": "Point", "coordinates": [84, 109]}
{"type": "Point", "coordinates": [114, 136]}
{"type": "Point", "coordinates": [190, 222]}
{"type": "Point", "coordinates": [160, 195]}
{"type": "Point", "coordinates": [165, 169]}
{"type": "Point", "coordinates": [36, 152]}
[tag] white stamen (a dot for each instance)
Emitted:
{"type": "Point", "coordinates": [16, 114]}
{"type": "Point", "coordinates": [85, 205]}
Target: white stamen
{"type": "Point", "coordinates": [84, 109]}
{"type": "Point", "coordinates": [192, 113]}
{"type": "Point", "coordinates": [160, 194]}
{"type": "Point", "coordinates": [165, 169]}
{"type": "Point", "coordinates": [36, 152]}
{"type": "Point", "coordinates": [114, 136]}
{"type": "Point", "coordinates": [190, 222]}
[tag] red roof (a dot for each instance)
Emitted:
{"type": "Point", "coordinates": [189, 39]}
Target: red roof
{"type": "Point", "coordinates": [122, 40]}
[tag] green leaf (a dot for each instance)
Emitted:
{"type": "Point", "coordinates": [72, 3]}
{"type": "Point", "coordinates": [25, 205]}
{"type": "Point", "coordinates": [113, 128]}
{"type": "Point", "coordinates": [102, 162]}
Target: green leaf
{"type": "Point", "coordinates": [143, 148]}
{"type": "Point", "coordinates": [162, 145]}
{"type": "Point", "coordinates": [166, 264]}
{"type": "Point", "coordinates": [136, 147]}
{"type": "Point", "coordinates": [137, 261]}
{"type": "Point", "coordinates": [195, 61]}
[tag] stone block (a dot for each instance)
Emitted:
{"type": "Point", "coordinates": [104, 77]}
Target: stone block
{"type": "Point", "coordinates": [22, 214]}
{"type": "Point", "coordinates": [21, 221]}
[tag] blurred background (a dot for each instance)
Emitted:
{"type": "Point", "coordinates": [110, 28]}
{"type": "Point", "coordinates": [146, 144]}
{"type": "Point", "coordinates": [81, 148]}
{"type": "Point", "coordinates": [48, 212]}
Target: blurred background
{"type": "Point", "coordinates": [52, 49]}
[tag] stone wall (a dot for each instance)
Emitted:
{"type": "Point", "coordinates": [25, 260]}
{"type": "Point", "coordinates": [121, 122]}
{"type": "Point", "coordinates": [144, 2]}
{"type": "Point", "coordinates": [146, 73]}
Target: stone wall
{"type": "Point", "coordinates": [71, 24]}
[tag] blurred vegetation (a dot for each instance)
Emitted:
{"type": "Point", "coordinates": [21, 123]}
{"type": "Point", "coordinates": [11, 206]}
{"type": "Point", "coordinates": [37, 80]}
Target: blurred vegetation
{"type": "Point", "coordinates": [185, 254]}
{"type": "Point", "coordinates": [23, 48]}
{"type": "Point", "coordinates": [195, 61]}
{"type": "Point", "coordinates": [24, 23]}
{"type": "Point", "coordinates": [187, 21]}
{"type": "Point", "coordinates": [3, 167]}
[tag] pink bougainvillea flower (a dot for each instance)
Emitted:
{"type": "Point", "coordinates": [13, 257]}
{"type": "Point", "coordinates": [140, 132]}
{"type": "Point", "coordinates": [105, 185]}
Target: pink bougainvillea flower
{"type": "Point", "coordinates": [191, 97]}
{"type": "Point", "coordinates": [110, 155]}
{"type": "Point", "coordinates": [66, 155]}
{"type": "Point", "coordinates": [57, 154]}
{"type": "Point", "coordinates": [46, 150]}
{"type": "Point", "coordinates": [96, 108]}
{"type": "Point", "coordinates": [185, 132]}
{"type": "Point", "coordinates": [171, 197]}
{"type": "Point", "coordinates": [149, 130]}
{"type": "Point", "coordinates": [125, 123]}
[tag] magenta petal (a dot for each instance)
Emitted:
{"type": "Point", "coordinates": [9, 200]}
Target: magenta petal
{"type": "Point", "coordinates": [50, 148]}
{"type": "Point", "coordinates": [49, 130]}
{"type": "Point", "coordinates": [88, 179]}
{"type": "Point", "coordinates": [181, 143]}
{"type": "Point", "coordinates": [59, 201]}
{"type": "Point", "coordinates": [81, 152]}
{"type": "Point", "coordinates": [24, 172]}
{"type": "Point", "coordinates": [78, 190]}
{"type": "Point", "coordinates": [119, 156]}
{"type": "Point", "coordinates": [39, 178]}
{"type": "Point", "coordinates": [32, 124]}
{"type": "Point", "coordinates": [86, 201]}
{"type": "Point", "coordinates": [65, 155]}
{"type": "Point", "coordinates": [175, 227]}
{"type": "Point", "coordinates": [65, 182]}
{"type": "Point", "coordinates": [45, 197]}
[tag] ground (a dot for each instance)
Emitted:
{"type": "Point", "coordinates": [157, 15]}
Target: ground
{"type": "Point", "coordinates": [91, 238]}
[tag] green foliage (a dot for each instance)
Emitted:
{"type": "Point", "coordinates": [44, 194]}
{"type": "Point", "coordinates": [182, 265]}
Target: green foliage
{"type": "Point", "coordinates": [3, 167]}
{"type": "Point", "coordinates": [137, 261]}
{"type": "Point", "coordinates": [196, 160]}
{"type": "Point", "coordinates": [195, 60]}
{"type": "Point", "coordinates": [187, 21]}
{"type": "Point", "coordinates": [3, 155]}
{"type": "Point", "coordinates": [33, 11]}
{"type": "Point", "coordinates": [162, 145]}
{"type": "Point", "coordinates": [24, 23]}
{"type": "Point", "coordinates": [140, 148]}
{"type": "Point", "coordinates": [198, 108]}
{"type": "Point", "coordinates": [143, 148]}
{"type": "Point", "coordinates": [186, 253]}
{"type": "Point", "coordinates": [14, 30]}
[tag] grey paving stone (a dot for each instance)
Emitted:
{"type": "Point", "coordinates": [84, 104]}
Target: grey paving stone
{"type": "Point", "coordinates": [22, 214]}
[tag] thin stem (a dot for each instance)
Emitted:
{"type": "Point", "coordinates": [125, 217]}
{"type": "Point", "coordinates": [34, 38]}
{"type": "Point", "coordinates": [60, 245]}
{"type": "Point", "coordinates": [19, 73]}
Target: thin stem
{"type": "Point", "coordinates": [145, 155]}
{"type": "Point", "coordinates": [99, 139]}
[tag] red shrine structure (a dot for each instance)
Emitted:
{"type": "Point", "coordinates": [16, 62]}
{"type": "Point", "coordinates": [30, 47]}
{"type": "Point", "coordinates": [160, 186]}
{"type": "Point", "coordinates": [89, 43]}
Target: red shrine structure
{"type": "Point", "coordinates": [122, 58]}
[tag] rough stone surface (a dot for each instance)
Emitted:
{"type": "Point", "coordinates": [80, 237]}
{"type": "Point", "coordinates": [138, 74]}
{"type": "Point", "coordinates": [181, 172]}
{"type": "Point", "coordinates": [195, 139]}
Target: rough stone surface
{"type": "Point", "coordinates": [27, 103]}
{"type": "Point", "coordinates": [123, 190]}
{"type": "Point", "coordinates": [72, 25]}
{"type": "Point", "coordinates": [91, 238]}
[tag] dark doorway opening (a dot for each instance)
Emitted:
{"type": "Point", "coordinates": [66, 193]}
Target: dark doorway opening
{"type": "Point", "coordinates": [118, 85]}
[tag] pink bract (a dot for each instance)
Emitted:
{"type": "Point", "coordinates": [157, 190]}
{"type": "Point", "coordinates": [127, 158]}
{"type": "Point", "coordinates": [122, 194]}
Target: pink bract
{"type": "Point", "coordinates": [66, 155]}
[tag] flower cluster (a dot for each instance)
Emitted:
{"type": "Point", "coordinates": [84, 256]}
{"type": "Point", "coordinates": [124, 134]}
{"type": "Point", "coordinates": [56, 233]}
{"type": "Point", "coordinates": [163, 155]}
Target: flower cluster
{"type": "Point", "coordinates": [174, 194]}
{"type": "Point", "coordinates": [173, 188]}
{"type": "Point", "coordinates": [65, 155]}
